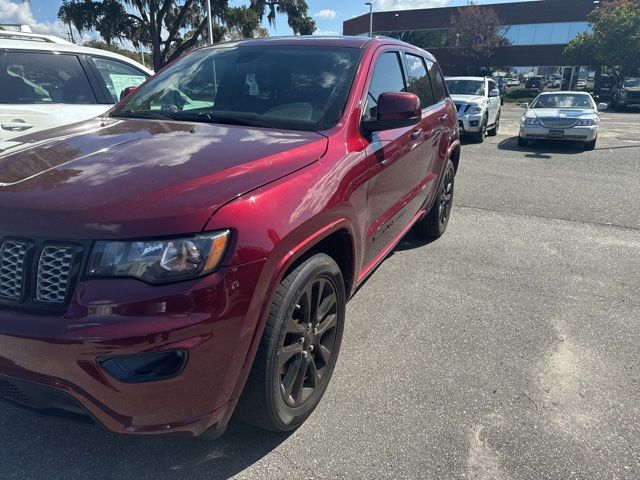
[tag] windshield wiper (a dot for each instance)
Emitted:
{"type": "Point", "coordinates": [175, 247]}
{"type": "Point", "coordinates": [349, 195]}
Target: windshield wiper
{"type": "Point", "coordinates": [229, 120]}
{"type": "Point", "coordinates": [141, 114]}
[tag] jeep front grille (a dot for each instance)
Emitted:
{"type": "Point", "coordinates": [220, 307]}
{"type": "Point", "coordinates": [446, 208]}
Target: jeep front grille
{"type": "Point", "coordinates": [12, 257]}
{"type": "Point", "coordinates": [36, 275]}
{"type": "Point", "coordinates": [54, 273]}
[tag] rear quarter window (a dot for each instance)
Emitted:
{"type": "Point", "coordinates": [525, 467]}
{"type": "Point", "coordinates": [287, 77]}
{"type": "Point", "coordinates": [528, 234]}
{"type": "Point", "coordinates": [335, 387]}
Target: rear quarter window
{"type": "Point", "coordinates": [440, 91]}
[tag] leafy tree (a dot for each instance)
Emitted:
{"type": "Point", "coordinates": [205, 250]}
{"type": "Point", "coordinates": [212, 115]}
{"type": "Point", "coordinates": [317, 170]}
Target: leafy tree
{"type": "Point", "coordinates": [614, 42]}
{"type": "Point", "coordinates": [296, 10]}
{"type": "Point", "coordinates": [115, 49]}
{"type": "Point", "coordinates": [476, 34]}
{"type": "Point", "coordinates": [172, 27]}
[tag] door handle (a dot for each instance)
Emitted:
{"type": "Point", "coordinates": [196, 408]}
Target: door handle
{"type": "Point", "coordinates": [415, 134]}
{"type": "Point", "coordinates": [443, 118]}
{"type": "Point", "coordinates": [16, 126]}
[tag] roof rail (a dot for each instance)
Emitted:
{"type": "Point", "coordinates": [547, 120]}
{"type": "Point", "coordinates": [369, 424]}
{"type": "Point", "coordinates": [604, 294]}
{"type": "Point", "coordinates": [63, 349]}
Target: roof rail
{"type": "Point", "coordinates": [35, 37]}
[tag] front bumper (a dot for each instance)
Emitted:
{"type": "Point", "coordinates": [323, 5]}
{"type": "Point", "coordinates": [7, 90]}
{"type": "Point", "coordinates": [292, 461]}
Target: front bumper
{"type": "Point", "coordinates": [211, 318]}
{"type": "Point", "coordinates": [538, 132]}
{"type": "Point", "coordinates": [470, 123]}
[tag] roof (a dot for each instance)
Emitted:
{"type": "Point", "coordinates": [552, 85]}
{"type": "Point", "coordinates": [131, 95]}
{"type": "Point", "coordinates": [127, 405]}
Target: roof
{"type": "Point", "coordinates": [465, 78]}
{"type": "Point", "coordinates": [29, 36]}
{"type": "Point", "coordinates": [565, 92]}
{"type": "Point", "coordinates": [60, 45]}
{"type": "Point", "coordinates": [346, 41]}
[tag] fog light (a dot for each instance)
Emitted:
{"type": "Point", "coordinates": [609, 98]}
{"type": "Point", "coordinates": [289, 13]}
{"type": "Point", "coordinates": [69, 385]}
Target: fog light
{"type": "Point", "coordinates": [145, 367]}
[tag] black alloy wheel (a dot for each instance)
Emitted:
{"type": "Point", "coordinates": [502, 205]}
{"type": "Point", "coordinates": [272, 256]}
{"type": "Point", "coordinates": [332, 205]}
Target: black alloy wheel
{"type": "Point", "coordinates": [299, 348]}
{"type": "Point", "coordinates": [446, 198]}
{"type": "Point", "coordinates": [309, 342]}
{"type": "Point", "coordinates": [434, 223]}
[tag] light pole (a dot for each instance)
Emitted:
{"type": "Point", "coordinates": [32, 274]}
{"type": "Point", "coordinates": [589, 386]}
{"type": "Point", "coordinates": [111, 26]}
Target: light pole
{"type": "Point", "coordinates": [370, 18]}
{"type": "Point", "coordinates": [210, 22]}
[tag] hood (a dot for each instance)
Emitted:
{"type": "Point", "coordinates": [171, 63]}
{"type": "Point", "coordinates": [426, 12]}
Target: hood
{"type": "Point", "coordinates": [138, 178]}
{"type": "Point", "coordinates": [560, 113]}
{"type": "Point", "coordinates": [468, 99]}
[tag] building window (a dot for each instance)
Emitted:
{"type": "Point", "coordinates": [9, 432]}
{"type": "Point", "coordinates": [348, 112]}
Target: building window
{"type": "Point", "coordinates": [526, 34]}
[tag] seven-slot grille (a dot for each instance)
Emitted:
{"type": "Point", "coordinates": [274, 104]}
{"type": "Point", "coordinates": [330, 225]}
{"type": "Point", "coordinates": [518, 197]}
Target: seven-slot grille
{"type": "Point", "coordinates": [559, 122]}
{"type": "Point", "coordinates": [52, 266]}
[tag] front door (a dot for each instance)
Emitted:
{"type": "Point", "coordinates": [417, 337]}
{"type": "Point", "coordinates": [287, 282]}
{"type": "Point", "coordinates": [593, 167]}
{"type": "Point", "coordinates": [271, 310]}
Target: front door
{"type": "Point", "coordinates": [398, 161]}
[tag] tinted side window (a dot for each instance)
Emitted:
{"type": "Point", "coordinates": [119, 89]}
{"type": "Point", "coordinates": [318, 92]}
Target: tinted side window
{"type": "Point", "coordinates": [418, 80]}
{"type": "Point", "coordinates": [492, 85]}
{"type": "Point", "coordinates": [118, 76]}
{"type": "Point", "coordinates": [387, 77]}
{"type": "Point", "coordinates": [44, 78]}
{"type": "Point", "coordinates": [439, 88]}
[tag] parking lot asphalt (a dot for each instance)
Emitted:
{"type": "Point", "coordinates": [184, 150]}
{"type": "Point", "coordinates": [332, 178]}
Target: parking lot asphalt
{"type": "Point", "coordinates": [508, 349]}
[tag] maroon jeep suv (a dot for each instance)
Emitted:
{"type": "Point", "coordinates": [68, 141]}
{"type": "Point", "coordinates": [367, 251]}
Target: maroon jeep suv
{"type": "Point", "coordinates": [190, 254]}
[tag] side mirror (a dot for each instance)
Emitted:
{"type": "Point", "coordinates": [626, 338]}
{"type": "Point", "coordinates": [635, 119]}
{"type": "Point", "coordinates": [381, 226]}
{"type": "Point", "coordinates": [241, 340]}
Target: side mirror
{"type": "Point", "coordinates": [602, 106]}
{"type": "Point", "coordinates": [395, 110]}
{"type": "Point", "coordinates": [126, 91]}
{"type": "Point", "coordinates": [524, 105]}
{"type": "Point", "coordinates": [494, 93]}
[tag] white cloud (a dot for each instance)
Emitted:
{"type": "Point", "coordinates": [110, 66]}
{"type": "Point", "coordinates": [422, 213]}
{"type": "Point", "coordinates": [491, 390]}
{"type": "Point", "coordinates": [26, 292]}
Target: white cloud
{"type": "Point", "coordinates": [383, 5]}
{"type": "Point", "coordinates": [326, 14]}
{"type": "Point", "coordinates": [20, 13]}
{"type": "Point", "coordinates": [326, 33]}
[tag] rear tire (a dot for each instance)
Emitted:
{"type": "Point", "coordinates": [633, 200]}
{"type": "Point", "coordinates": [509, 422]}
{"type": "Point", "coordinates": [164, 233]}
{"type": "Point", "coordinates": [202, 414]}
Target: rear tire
{"type": "Point", "coordinates": [299, 347]}
{"type": "Point", "coordinates": [434, 223]}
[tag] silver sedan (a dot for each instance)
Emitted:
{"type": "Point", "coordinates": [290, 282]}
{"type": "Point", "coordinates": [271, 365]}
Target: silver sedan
{"type": "Point", "coordinates": [561, 116]}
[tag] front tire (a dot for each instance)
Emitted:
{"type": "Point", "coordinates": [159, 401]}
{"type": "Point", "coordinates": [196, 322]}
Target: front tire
{"type": "Point", "coordinates": [434, 223]}
{"type": "Point", "coordinates": [299, 347]}
{"type": "Point", "coordinates": [479, 137]}
{"type": "Point", "coordinates": [494, 131]}
{"type": "Point", "coordinates": [589, 146]}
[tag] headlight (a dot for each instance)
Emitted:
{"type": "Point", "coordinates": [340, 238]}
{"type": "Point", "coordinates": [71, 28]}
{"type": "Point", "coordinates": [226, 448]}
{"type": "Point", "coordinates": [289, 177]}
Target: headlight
{"type": "Point", "coordinates": [530, 121]}
{"type": "Point", "coordinates": [588, 122]}
{"type": "Point", "coordinates": [159, 261]}
{"type": "Point", "coordinates": [475, 109]}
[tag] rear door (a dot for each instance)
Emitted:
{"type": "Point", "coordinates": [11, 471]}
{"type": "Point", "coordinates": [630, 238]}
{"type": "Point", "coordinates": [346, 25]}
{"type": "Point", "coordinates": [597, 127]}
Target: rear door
{"type": "Point", "coordinates": [117, 76]}
{"type": "Point", "coordinates": [445, 112]}
{"type": "Point", "coordinates": [42, 90]}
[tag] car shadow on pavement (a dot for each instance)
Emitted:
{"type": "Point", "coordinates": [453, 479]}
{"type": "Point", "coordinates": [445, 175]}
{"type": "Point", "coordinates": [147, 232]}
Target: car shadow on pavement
{"type": "Point", "coordinates": [543, 149]}
{"type": "Point", "coordinates": [412, 240]}
{"type": "Point", "coordinates": [35, 446]}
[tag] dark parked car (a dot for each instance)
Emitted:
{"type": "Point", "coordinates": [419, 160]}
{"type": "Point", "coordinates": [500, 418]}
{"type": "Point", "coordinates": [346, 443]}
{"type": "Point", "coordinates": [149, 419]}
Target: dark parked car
{"type": "Point", "coordinates": [535, 83]}
{"type": "Point", "coordinates": [626, 94]}
{"type": "Point", "coordinates": [179, 257]}
{"type": "Point", "coordinates": [501, 82]}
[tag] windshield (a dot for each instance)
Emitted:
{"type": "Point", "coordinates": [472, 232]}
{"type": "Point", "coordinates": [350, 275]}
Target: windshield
{"type": "Point", "coordinates": [565, 100]}
{"type": "Point", "coordinates": [632, 82]}
{"type": "Point", "coordinates": [298, 88]}
{"type": "Point", "coordinates": [466, 87]}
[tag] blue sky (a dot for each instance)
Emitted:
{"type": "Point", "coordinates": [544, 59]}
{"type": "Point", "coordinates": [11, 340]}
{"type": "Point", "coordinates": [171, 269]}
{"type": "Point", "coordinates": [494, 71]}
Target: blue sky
{"type": "Point", "coordinates": [329, 14]}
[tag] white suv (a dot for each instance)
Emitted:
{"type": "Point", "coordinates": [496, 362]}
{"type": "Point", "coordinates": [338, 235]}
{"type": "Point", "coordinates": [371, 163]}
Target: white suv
{"type": "Point", "coordinates": [48, 82]}
{"type": "Point", "coordinates": [477, 101]}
